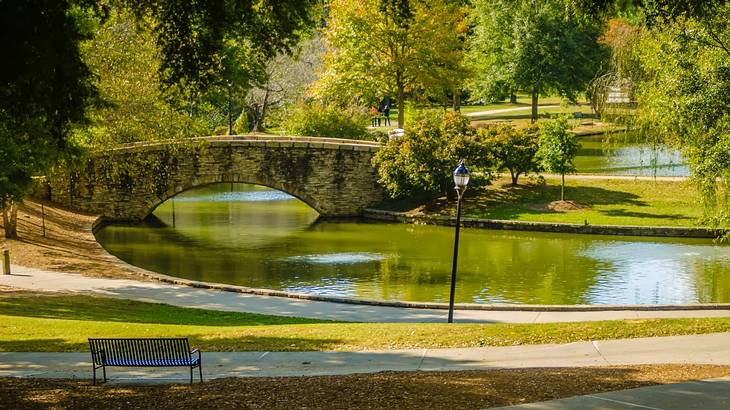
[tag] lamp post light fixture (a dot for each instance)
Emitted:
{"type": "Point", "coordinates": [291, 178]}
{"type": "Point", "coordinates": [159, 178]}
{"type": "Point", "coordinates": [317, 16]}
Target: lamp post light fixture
{"type": "Point", "coordinates": [461, 180]}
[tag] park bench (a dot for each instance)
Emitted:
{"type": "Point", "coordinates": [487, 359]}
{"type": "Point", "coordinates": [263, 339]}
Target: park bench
{"type": "Point", "coordinates": [144, 352]}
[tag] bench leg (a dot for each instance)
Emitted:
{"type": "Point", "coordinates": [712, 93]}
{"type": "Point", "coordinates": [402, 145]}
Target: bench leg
{"type": "Point", "coordinates": [200, 370]}
{"type": "Point", "coordinates": [103, 369]}
{"type": "Point", "coordinates": [94, 382]}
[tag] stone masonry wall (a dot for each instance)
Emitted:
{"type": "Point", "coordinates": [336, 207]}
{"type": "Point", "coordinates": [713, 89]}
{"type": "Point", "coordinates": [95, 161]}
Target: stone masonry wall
{"type": "Point", "coordinates": [335, 177]}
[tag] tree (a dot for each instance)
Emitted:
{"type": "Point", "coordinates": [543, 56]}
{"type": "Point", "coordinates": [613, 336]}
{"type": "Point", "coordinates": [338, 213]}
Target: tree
{"type": "Point", "coordinates": [422, 161]}
{"type": "Point", "coordinates": [558, 148]}
{"type": "Point", "coordinates": [124, 58]}
{"type": "Point", "coordinates": [513, 149]}
{"type": "Point", "coordinates": [194, 40]}
{"type": "Point", "coordinates": [47, 87]}
{"type": "Point", "coordinates": [685, 98]}
{"type": "Point", "coordinates": [44, 89]}
{"type": "Point", "coordinates": [284, 82]}
{"type": "Point", "coordinates": [379, 47]}
{"type": "Point", "coordinates": [538, 47]}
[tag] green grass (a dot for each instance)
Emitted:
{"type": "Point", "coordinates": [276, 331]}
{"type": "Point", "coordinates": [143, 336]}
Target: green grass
{"type": "Point", "coordinates": [602, 202]}
{"type": "Point", "coordinates": [543, 113]}
{"type": "Point", "coordinates": [605, 202]}
{"type": "Point", "coordinates": [46, 323]}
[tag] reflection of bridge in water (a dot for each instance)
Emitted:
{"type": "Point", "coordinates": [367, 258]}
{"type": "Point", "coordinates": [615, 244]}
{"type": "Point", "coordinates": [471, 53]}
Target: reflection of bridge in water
{"type": "Point", "coordinates": [333, 176]}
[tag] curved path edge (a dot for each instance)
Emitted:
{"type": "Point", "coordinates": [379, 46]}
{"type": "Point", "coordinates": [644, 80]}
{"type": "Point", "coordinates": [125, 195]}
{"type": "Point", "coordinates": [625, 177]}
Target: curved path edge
{"type": "Point", "coordinates": [215, 299]}
{"type": "Point", "coordinates": [425, 305]}
{"type": "Point", "coordinates": [172, 280]}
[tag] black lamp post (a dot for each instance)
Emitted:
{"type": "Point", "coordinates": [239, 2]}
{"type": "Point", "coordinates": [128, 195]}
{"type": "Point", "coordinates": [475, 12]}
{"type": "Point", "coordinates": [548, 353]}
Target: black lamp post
{"type": "Point", "coordinates": [461, 180]}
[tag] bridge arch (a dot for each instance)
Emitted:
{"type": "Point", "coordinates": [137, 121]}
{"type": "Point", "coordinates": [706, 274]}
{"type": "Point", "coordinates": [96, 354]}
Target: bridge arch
{"type": "Point", "coordinates": [302, 197]}
{"type": "Point", "coordinates": [333, 176]}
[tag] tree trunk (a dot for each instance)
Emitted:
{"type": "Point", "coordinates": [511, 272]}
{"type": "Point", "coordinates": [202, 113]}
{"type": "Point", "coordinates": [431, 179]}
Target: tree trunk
{"type": "Point", "coordinates": [512, 98]}
{"type": "Point", "coordinates": [534, 105]}
{"type": "Point", "coordinates": [401, 99]}
{"type": "Point", "coordinates": [562, 187]}
{"type": "Point", "coordinates": [10, 220]}
{"type": "Point", "coordinates": [457, 100]}
{"type": "Point", "coordinates": [515, 176]}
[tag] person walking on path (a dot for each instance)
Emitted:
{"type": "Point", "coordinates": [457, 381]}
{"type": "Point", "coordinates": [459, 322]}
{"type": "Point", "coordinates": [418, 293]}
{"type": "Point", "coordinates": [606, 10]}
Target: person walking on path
{"type": "Point", "coordinates": [374, 116]}
{"type": "Point", "coordinates": [386, 113]}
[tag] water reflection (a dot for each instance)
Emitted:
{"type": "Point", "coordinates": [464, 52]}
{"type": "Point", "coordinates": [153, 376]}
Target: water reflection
{"type": "Point", "coordinates": [279, 243]}
{"type": "Point", "coordinates": [628, 154]}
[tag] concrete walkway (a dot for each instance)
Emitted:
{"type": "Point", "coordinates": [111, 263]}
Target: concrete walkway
{"type": "Point", "coordinates": [699, 349]}
{"type": "Point", "coordinates": [41, 280]}
{"type": "Point", "coordinates": [712, 394]}
{"type": "Point", "coordinates": [508, 110]}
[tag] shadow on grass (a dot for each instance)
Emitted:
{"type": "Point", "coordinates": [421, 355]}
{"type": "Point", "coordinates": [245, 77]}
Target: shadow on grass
{"type": "Point", "coordinates": [402, 390]}
{"type": "Point", "coordinates": [206, 342]}
{"type": "Point", "coordinates": [90, 308]}
{"type": "Point", "coordinates": [633, 214]}
{"type": "Point", "coordinates": [511, 202]}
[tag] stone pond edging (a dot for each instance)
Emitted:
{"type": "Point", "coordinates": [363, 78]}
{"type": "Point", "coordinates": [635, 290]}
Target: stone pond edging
{"type": "Point", "coordinates": [159, 277]}
{"type": "Point", "coordinates": [622, 230]}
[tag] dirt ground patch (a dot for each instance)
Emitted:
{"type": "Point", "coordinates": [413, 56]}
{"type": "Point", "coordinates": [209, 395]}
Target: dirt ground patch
{"type": "Point", "coordinates": [565, 206]}
{"type": "Point", "coordinates": [401, 390]}
{"type": "Point", "coordinates": [68, 244]}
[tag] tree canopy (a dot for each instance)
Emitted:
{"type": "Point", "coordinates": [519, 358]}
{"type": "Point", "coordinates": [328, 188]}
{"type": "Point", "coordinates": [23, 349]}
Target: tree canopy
{"type": "Point", "coordinates": [537, 47]}
{"type": "Point", "coordinates": [382, 47]}
{"type": "Point", "coordinates": [46, 88]}
{"type": "Point", "coordinates": [558, 148]}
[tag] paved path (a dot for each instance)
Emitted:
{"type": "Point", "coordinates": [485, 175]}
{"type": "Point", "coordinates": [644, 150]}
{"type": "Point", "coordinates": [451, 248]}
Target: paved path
{"type": "Point", "coordinates": [41, 280]}
{"type": "Point", "coordinates": [712, 394]}
{"type": "Point", "coordinates": [700, 349]}
{"type": "Point", "coordinates": [507, 110]}
{"type": "Point", "coordinates": [36, 279]}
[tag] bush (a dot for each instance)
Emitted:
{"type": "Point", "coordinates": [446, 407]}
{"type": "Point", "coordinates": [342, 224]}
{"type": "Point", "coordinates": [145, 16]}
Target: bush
{"type": "Point", "coordinates": [319, 120]}
{"type": "Point", "coordinates": [422, 161]}
{"type": "Point", "coordinates": [514, 149]}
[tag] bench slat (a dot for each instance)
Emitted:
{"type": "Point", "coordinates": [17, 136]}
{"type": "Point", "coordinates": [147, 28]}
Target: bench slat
{"type": "Point", "coordinates": [143, 350]}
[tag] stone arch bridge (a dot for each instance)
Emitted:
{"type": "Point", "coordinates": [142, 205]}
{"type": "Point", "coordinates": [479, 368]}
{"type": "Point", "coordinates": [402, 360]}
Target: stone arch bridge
{"type": "Point", "coordinates": [127, 183]}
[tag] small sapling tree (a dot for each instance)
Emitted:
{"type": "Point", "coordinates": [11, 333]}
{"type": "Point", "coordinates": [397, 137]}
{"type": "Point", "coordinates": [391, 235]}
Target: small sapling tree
{"type": "Point", "coordinates": [558, 148]}
{"type": "Point", "coordinates": [513, 149]}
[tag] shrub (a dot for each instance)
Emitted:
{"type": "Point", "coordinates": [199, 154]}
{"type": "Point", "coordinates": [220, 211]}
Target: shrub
{"type": "Point", "coordinates": [422, 161]}
{"type": "Point", "coordinates": [320, 120]}
{"type": "Point", "coordinates": [514, 149]}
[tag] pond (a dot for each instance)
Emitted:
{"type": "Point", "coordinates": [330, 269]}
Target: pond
{"type": "Point", "coordinates": [628, 154]}
{"type": "Point", "coordinates": [258, 237]}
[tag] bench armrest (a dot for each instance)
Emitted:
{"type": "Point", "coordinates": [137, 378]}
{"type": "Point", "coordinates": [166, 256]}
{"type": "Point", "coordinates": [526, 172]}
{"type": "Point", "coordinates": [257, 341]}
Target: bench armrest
{"type": "Point", "coordinates": [98, 354]}
{"type": "Point", "coordinates": [195, 350]}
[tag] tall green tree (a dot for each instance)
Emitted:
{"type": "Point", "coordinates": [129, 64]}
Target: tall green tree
{"type": "Point", "coordinates": [381, 47]}
{"type": "Point", "coordinates": [47, 87]}
{"type": "Point", "coordinates": [684, 97]}
{"type": "Point", "coordinates": [558, 148]}
{"type": "Point", "coordinates": [538, 47]}
{"type": "Point", "coordinates": [125, 60]}
{"type": "Point", "coordinates": [44, 89]}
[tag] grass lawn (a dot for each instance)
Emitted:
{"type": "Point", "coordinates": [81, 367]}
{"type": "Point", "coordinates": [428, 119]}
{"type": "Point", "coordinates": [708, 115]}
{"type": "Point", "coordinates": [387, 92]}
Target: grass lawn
{"type": "Point", "coordinates": [57, 323]}
{"type": "Point", "coordinates": [524, 116]}
{"type": "Point", "coordinates": [600, 201]}
{"type": "Point", "coordinates": [523, 100]}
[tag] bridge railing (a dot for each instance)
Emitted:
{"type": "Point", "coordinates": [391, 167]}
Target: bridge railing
{"type": "Point", "coordinates": [257, 138]}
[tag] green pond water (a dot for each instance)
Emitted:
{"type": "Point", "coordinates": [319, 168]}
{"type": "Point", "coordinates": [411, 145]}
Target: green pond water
{"type": "Point", "coordinates": [258, 237]}
{"type": "Point", "coordinates": [628, 154]}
